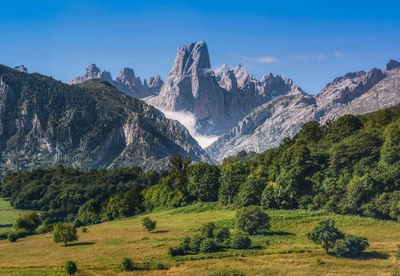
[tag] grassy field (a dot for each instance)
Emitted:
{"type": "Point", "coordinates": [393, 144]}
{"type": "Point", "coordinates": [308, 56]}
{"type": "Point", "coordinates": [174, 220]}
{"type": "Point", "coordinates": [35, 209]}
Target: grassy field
{"type": "Point", "coordinates": [284, 251]}
{"type": "Point", "coordinates": [7, 214]}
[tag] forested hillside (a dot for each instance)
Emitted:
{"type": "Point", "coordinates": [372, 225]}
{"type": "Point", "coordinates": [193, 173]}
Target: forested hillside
{"type": "Point", "coordinates": [349, 166]}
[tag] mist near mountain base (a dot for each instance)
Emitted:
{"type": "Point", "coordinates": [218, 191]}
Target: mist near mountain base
{"type": "Point", "coordinates": [188, 119]}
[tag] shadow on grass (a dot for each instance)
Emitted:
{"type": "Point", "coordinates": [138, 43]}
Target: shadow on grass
{"type": "Point", "coordinates": [79, 244]}
{"type": "Point", "coordinates": [373, 255]}
{"type": "Point", "coordinates": [279, 233]}
{"type": "Point", "coordinates": [160, 231]}
{"type": "Point", "coordinates": [366, 256]}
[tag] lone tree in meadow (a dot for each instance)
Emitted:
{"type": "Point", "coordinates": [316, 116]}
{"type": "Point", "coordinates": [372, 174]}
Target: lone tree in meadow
{"type": "Point", "coordinates": [252, 220]}
{"type": "Point", "coordinates": [149, 224]}
{"type": "Point", "coordinates": [325, 234]}
{"type": "Point", "coordinates": [64, 232]}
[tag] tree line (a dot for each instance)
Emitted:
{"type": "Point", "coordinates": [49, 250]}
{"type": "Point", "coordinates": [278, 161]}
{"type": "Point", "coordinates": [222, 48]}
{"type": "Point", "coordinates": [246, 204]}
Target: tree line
{"type": "Point", "coordinates": [349, 166]}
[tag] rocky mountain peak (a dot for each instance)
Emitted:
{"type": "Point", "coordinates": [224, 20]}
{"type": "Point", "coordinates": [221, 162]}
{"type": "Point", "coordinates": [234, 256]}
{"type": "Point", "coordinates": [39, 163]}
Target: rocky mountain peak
{"type": "Point", "coordinates": [242, 76]}
{"type": "Point", "coordinates": [92, 71]}
{"type": "Point", "coordinates": [126, 75]}
{"type": "Point", "coordinates": [21, 68]}
{"type": "Point", "coordinates": [190, 58]}
{"type": "Point", "coordinates": [392, 64]}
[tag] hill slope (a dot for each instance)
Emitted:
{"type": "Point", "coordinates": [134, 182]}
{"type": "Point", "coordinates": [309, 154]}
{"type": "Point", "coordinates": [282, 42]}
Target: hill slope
{"type": "Point", "coordinates": [44, 122]}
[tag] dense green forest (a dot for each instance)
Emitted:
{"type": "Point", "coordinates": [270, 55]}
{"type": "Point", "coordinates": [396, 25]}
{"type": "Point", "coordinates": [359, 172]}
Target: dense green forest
{"type": "Point", "coordinates": [349, 166]}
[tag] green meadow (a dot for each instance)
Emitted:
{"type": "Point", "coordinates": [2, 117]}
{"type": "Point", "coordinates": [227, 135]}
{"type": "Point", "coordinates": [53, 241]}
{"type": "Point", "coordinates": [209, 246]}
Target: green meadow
{"type": "Point", "coordinates": [285, 250]}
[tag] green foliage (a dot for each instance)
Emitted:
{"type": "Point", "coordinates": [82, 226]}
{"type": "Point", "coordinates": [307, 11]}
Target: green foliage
{"type": "Point", "coordinates": [46, 226]}
{"type": "Point", "coordinates": [89, 212]}
{"type": "Point", "coordinates": [127, 264]}
{"type": "Point", "coordinates": [176, 251]}
{"type": "Point", "coordinates": [203, 182]}
{"type": "Point", "coordinates": [122, 205]}
{"type": "Point", "coordinates": [12, 236]}
{"type": "Point", "coordinates": [149, 224]}
{"type": "Point", "coordinates": [28, 221]}
{"type": "Point", "coordinates": [240, 240]}
{"type": "Point", "coordinates": [222, 234]}
{"type": "Point", "coordinates": [325, 234]}
{"type": "Point", "coordinates": [207, 230]}
{"type": "Point", "coordinates": [233, 174]}
{"type": "Point", "coordinates": [195, 242]}
{"type": "Point", "coordinates": [64, 232]}
{"type": "Point", "coordinates": [351, 247]}
{"type": "Point", "coordinates": [70, 267]}
{"type": "Point", "coordinates": [252, 220]}
{"type": "Point", "coordinates": [208, 245]}
{"type": "Point", "coordinates": [250, 191]}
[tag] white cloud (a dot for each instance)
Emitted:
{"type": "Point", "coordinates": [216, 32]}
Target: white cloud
{"type": "Point", "coordinates": [306, 57]}
{"type": "Point", "coordinates": [189, 121]}
{"type": "Point", "coordinates": [338, 54]}
{"type": "Point", "coordinates": [264, 59]}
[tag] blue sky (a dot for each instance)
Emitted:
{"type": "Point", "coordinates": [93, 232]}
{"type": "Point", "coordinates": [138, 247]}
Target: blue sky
{"type": "Point", "coordinates": [311, 42]}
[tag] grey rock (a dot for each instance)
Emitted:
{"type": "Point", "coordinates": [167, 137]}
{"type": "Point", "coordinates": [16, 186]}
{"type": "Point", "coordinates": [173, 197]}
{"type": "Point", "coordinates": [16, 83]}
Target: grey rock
{"type": "Point", "coordinates": [392, 64]}
{"type": "Point", "coordinates": [266, 126]}
{"type": "Point", "coordinates": [220, 98]}
{"type": "Point", "coordinates": [21, 68]}
{"type": "Point", "coordinates": [126, 82]}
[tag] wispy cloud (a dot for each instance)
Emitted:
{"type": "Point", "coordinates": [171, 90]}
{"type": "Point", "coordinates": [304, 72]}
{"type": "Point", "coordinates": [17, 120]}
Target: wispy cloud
{"type": "Point", "coordinates": [264, 59]}
{"type": "Point", "coordinates": [306, 57]}
{"type": "Point", "coordinates": [337, 53]}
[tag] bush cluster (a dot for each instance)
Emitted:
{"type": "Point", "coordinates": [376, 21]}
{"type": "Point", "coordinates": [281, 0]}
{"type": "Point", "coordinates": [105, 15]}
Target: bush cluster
{"type": "Point", "coordinates": [211, 239]}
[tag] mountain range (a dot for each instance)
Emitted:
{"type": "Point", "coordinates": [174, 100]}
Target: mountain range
{"type": "Point", "coordinates": [90, 123]}
{"type": "Point", "coordinates": [253, 115]}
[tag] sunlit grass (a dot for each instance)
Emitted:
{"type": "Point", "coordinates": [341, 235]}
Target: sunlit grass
{"type": "Point", "coordinates": [284, 251]}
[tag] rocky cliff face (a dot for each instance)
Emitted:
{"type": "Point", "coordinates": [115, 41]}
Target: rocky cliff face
{"type": "Point", "coordinates": [191, 86]}
{"type": "Point", "coordinates": [126, 82]}
{"type": "Point", "coordinates": [44, 122]}
{"type": "Point", "coordinates": [218, 99]}
{"type": "Point", "coordinates": [355, 93]}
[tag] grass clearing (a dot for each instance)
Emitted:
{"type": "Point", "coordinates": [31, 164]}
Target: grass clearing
{"type": "Point", "coordinates": [285, 250]}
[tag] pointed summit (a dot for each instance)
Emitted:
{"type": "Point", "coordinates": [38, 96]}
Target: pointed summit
{"type": "Point", "coordinates": [191, 85]}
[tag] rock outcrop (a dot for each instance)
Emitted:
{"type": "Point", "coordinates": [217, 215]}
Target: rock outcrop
{"type": "Point", "coordinates": [21, 68]}
{"type": "Point", "coordinates": [218, 99]}
{"type": "Point", "coordinates": [126, 82]}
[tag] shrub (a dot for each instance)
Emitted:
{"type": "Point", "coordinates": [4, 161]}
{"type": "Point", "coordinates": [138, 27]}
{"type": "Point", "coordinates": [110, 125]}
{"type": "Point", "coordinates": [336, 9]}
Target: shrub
{"type": "Point", "coordinates": [208, 245]}
{"type": "Point", "coordinates": [207, 230]}
{"type": "Point", "coordinates": [4, 235]}
{"type": "Point", "coordinates": [185, 245]}
{"type": "Point", "coordinates": [84, 229]}
{"type": "Point", "coordinates": [176, 251]}
{"type": "Point", "coordinates": [240, 240]}
{"type": "Point", "coordinates": [70, 267]}
{"type": "Point", "coordinates": [252, 220]}
{"type": "Point", "coordinates": [46, 226]}
{"type": "Point", "coordinates": [127, 264]}
{"type": "Point", "coordinates": [222, 234]}
{"type": "Point", "coordinates": [195, 243]}
{"type": "Point", "coordinates": [352, 247]}
{"type": "Point", "coordinates": [149, 224]}
{"type": "Point", "coordinates": [12, 236]}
